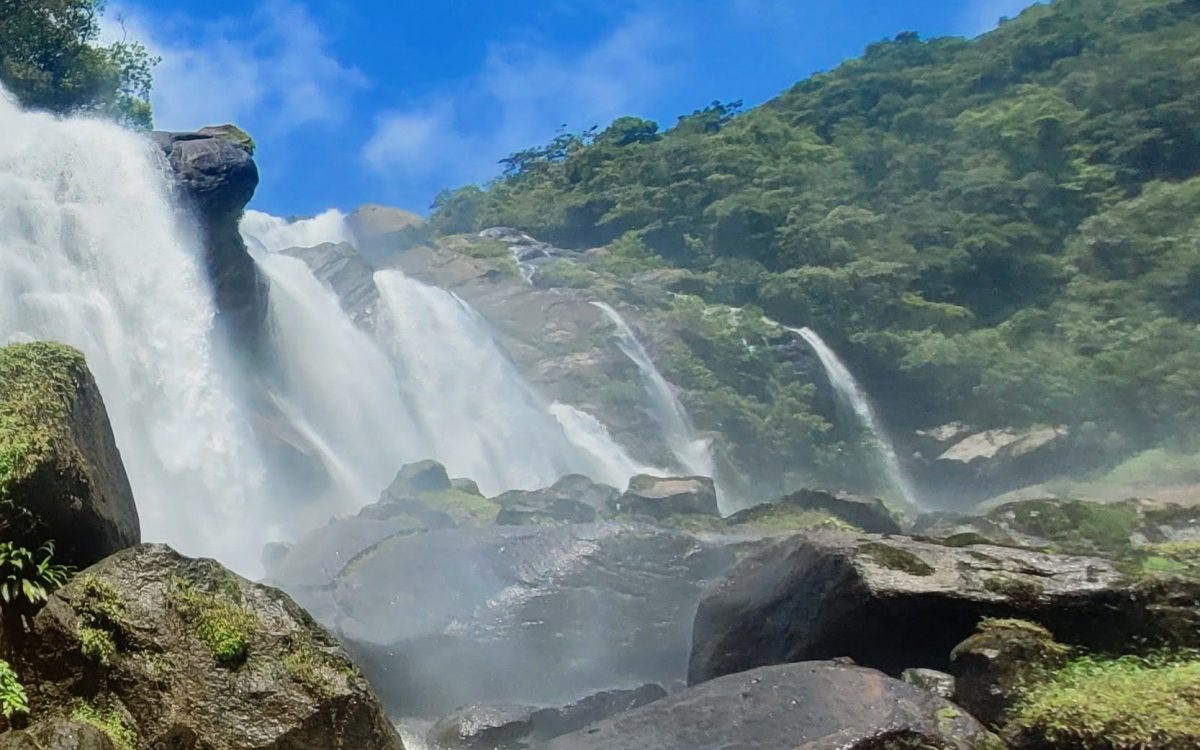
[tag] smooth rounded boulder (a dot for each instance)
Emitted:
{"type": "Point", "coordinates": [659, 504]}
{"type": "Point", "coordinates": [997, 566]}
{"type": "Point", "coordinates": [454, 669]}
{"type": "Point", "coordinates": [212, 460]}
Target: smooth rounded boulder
{"type": "Point", "coordinates": [61, 476]}
{"type": "Point", "coordinates": [813, 705]}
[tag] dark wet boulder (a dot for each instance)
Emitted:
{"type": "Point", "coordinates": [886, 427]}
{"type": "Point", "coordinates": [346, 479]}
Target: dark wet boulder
{"type": "Point", "coordinates": [661, 497]}
{"type": "Point", "coordinates": [422, 476]}
{"type": "Point", "coordinates": [517, 727]}
{"type": "Point", "coordinates": [58, 734]}
{"type": "Point", "coordinates": [61, 477]}
{"type": "Point", "coordinates": [893, 603]}
{"type": "Point", "coordinates": [215, 175]}
{"type": "Point", "coordinates": [862, 512]}
{"type": "Point", "coordinates": [520, 508]}
{"type": "Point", "coordinates": [994, 663]}
{"type": "Point", "coordinates": [183, 653]}
{"type": "Point", "coordinates": [814, 705]}
{"type": "Point", "coordinates": [930, 680]}
{"type": "Point", "coordinates": [522, 614]}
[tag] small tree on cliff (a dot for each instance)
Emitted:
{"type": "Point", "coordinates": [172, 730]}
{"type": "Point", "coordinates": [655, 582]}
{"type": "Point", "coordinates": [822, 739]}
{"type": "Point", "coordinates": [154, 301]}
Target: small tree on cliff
{"type": "Point", "coordinates": [50, 59]}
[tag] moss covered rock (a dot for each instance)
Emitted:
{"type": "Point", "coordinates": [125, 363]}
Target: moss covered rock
{"type": "Point", "coordinates": [1126, 703]}
{"type": "Point", "coordinates": [199, 658]}
{"type": "Point", "coordinates": [61, 475]}
{"type": "Point", "coordinates": [60, 734]}
{"type": "Point", "coordinates": [1000, 658]}
{"type": "Point", "coordinates": [854, 511]}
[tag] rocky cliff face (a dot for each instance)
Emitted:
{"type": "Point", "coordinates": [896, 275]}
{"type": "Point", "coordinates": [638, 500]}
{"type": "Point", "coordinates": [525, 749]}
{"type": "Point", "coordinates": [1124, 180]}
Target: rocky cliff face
{"type": "Point", "coordinates": [215, 176]}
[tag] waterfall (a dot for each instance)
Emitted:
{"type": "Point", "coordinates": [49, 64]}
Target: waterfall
{"type": "Point", "coordinates": [429, 381]}
{"type": "Point", "coordinates": [276, 234]}
{"type": "Point", "coordinates": [92, 254]}
{"type": "Point", "coordinates": [478, 416]}
{"type": "Point", "coordinates": [693, 453]}
{"type": "Point", "coordinates": [852, 395]}
{"type": "Point", "coordinates": [334, 384]}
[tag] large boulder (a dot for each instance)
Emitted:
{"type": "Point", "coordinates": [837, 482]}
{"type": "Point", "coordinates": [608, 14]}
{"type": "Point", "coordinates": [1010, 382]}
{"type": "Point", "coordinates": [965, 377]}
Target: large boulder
{"type": "Point", "coordinates": [999, 659]}
{"type": "Point", "coordinates": [661, 497]}
{"type": "Point", "coordinates": [182, 653]}
{"type": "Point", "coordinates": [58, 734]}
{"type": "Point", "coordinates": [517, 727]}
{"type": "Point", "coordinates": [522, 614]}
{"type": "Point", "coordinates": [865, 513]}
{"type": "Point", "coordinates": [61, 476]}
{"type": "Point", "coordinates": [893, 603]}
{"type": "Point", "coordinates": [973, 465]}
{"type": "Point", "coordinates": [815, 706]}
{"type": "Point", "coordinates": [215, 175]}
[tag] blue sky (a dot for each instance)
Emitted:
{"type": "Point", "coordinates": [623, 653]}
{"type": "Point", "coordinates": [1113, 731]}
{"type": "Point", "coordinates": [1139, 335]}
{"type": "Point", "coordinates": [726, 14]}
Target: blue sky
{"type": "Point", "coordinates": [388, 101]}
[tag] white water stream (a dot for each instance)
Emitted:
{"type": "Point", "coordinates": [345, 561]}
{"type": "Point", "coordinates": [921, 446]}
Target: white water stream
{"type": "Point", "coordinates": [92, 254]}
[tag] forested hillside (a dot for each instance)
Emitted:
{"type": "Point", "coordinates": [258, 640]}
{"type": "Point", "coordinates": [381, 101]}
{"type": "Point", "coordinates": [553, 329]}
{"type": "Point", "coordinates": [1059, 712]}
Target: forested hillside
{"type": "Point", "coordinates": [1004, 230]}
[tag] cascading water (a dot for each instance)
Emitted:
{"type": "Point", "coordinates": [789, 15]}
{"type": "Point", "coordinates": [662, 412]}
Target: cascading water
{"type": "Point", "coordinates": [852, 395]}
{"type": "Point", "coordinates": [91, 254]}
{"type": "Point", "coordinates": [428, 382]}
{"type": "Point", "coordinates": [478, 415]}
{"type": "Point", "coordinates": [334, 386]}
{"type": "Point", "coordinates": [693, 453]}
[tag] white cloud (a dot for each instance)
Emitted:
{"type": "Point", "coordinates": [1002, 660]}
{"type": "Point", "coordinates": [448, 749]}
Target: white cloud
{"type": "Point", "coordinates": [983, 15]}
{"type": "Point", "coordinates": [521, 93]}
{"type": "Point", "coordinates": [274, 68]}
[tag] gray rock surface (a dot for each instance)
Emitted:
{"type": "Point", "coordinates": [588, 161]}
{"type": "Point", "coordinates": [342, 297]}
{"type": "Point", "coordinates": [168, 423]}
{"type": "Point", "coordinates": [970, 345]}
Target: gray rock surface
{"type": "Point", "coordinates": [57, 734]}
{"type": "Point", "coordinates": [522, 614]}
{"type": "Point", "coordinates": [813, 705]}
{"type": "Point", "coordinates": [894, 603]}
{"type": "Point", "coordinates": [660, 497]}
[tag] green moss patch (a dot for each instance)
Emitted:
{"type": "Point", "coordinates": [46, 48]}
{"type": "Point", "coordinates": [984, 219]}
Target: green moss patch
{"type": "Point", "coordinates": [462, 506]}
{"type": "Point", "coordinates": [1128, 703]}
{"type": "Point", "coordinates": [38, 383]}
{"type": "Point", "coordinates": [894, 558]}
{"type": "Point", "coordinates": [102, 619]}
{"type": "Point", "coordinates": [784, 518]}
{"type": "Point", "coordinates": [316, 669]}
{"type": "Point", "coordinates": [1075, 526]}
{"type": "Point", "coordinates": [1171, 558]}
{"type": "Point", "coordinates": [111, 722]}
{"type": "Point", "coordinates": [219, 618]}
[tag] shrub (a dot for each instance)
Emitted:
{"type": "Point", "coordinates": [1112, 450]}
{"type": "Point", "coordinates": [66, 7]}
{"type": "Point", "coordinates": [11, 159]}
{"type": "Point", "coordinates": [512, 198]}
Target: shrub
{"type": "Point", "coordinates": [27, 576]}
{"type": "Point", "coordinates": [13, 700]}
{"type": "Point", "coordinates": [110, 722]}
{"type": "Point", "coordinates": [220, 619]}
{"type": "Point", "coordinates": [1093, 703]}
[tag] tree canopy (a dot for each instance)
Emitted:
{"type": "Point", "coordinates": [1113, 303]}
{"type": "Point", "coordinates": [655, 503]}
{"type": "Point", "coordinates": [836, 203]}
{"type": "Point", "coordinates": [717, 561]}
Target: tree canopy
{"type": "Point", "coordinates": [50, 59]}
{"type": "Point", "coordinates": [1003, 230]}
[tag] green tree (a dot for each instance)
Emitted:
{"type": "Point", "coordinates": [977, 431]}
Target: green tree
{"type": "Point", "coordinates": [50, 59]}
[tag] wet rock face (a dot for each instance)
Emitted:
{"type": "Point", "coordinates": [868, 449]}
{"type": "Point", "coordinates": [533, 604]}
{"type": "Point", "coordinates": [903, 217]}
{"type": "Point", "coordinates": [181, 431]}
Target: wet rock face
{"type": "Point", "coordinates": [818, 705]}
{"type": "Point", "coordinates": [894, 603]}
{"type": "Point", "coordinates": [57, 734]}
{"type": "Point", "coordinates": [344, 270]}
{"type": "Point", "coordinates": [184, 654]}
{"type": "Point", "coordinates": [521, 614]}
{"type": "Point", "coordinates": [866, 513]}
{"type": "Point", "coordinates": [215, 174]}
{"type": "Point", "coordinates": [660, 497]}
{"type": "Point", "coordinates": [991, 666]}
{"type": "Point", "coordinates": [66, 481]}
{"type": "Point", "coordinates": [517, 727]}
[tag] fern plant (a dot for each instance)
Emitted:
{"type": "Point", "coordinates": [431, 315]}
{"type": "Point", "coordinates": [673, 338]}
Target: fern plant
{"type": "Point", "coordinates": [13, 700]}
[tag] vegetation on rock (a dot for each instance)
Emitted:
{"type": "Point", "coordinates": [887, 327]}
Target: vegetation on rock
{"type": "Point", "coordinates": [220, 619]}
{"type": "Point", "coordinates": [109, 721]}
{"type": "Point", "coordinates": [13, 701]}
{"type": "Point", "coordinates": [1126, 703]}
{"type": "Point", "coordinates": [994, 230]}
{"type": "Point", "coordinates": [50, 59]}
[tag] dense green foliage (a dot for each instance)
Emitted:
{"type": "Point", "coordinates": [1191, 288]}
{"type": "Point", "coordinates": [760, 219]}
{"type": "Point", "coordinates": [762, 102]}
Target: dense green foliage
{"type": "Point", "coordinates": [50, 59]}
{"type": "Point", "coordinates": [13, 700]}
{"type": "Point", "coordinates": [1003, 231]}
{"type": "Point", "coordinates": [1148, 703]}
